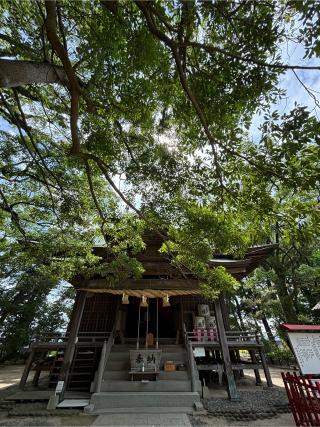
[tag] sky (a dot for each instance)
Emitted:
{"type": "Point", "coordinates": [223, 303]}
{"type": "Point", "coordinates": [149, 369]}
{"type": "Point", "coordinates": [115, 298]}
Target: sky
{"type": "Point", "coordinates": [293, 54]}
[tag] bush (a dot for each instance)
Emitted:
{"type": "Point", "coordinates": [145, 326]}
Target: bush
{"type": "Point", "coordinates": [280, 355]}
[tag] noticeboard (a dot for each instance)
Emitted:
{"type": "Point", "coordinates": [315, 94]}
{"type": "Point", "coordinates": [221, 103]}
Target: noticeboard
{"type": "Point", "coordinates": [306, 347]}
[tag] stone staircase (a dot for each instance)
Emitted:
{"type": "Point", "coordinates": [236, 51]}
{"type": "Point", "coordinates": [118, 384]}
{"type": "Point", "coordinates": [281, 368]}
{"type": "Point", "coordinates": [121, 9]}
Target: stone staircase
{"type": "Point", "coordinates": [171, 390]}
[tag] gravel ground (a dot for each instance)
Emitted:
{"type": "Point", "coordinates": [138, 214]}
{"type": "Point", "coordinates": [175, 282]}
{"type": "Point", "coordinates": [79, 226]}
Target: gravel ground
{"type": "Point", "coordinates": [283, 420]}
{"type": "Point", "coordinates": [265, 403]}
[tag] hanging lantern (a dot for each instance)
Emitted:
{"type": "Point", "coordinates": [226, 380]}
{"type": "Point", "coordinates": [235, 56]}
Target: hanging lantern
{"type": "Point", "coordinates": [125, 299]}
{"type": "Point", "coordinates": [165, 301]}
{"type": "Point", "coordinates": [144, 302]}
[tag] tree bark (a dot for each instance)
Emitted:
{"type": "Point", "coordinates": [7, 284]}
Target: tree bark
{"type": "Point", "coordinates": [268, 329]}
{"type": "Point", "coordinates": [284, 296]}
{"type": "Point", "coordinates": [238, 311]}
{"type": "Point", "coordinates": [15, 73]}
{"type": "Point", "coordinates": [225, 311]}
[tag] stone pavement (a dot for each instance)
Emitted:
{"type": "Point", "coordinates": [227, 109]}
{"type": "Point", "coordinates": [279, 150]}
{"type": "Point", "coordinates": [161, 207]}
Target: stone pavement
{"type": "Point", "coordinates": [142, 420]}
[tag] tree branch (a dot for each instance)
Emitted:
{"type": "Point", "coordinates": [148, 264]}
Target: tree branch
{"type": "Point", "coordinates": [15, 73]}
{"type": "Point", "coordinates": [75, 90]}
{"type": "Point", "coordinates": [14, 216]}
{"type": "Point", "coordinates": [94, 197]}
{"type": "Point", "coordinates": [144, 6]}
{"type": "Point", "coordinates": [213, 50]}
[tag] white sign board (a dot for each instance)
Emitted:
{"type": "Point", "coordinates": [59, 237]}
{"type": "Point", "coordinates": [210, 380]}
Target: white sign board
{"type": "Point", "coordinates": [306, 347]}
{"type": "Point", "coordinates": [59, 387]}
{"type": "Point", "coordinates": [199, 352]}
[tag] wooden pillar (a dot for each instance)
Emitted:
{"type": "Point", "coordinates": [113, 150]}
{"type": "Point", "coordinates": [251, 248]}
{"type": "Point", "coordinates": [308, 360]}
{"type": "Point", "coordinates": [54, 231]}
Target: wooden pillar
{"type": "Point", "coordinates": [27, 368]}
{"type": "Point", "coordinates": [225, 312]}
{"type": "Point", "coordinates": [231, 385]}
{"type": "Point", "coordinates": [181, 315]}
{"type": "Point", "coordinates": [73, 335]}
{"type": "Point", "coordinates": [226, 320]}
{"type": "Point", "coordinates": [256, 371]}
{"type": "Point", "coordinates": [265, 367]}
{"type": "Point", "coordinates": [181, 319]}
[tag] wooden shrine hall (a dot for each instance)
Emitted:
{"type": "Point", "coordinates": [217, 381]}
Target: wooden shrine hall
{"type": "Point", "coordinates": [149, 341]}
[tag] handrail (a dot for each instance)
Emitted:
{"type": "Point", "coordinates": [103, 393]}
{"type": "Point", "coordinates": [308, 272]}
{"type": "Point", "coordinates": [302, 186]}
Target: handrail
{"type": "Point", "coordinates": [191, 360]}
{"type": "Point", "coordinates": [192, 367]}
{"type": "Point", "coordinates": [105, 353]}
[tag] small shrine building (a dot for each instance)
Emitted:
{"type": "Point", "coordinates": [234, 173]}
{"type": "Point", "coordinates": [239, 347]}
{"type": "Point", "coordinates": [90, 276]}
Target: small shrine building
{"type": "Point", "coordinates": [152, 339]}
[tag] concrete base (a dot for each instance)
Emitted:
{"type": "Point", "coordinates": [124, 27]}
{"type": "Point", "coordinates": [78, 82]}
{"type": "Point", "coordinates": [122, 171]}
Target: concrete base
{"type": "Point", "coordinates": [199, 409]}
{"type": "Point", "coordinates": [53, 402]}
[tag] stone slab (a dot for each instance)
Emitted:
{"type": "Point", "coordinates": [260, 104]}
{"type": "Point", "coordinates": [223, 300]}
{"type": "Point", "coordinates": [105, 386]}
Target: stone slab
{"type": "Point", "coordinates": [31, 395]}
{"type": "Point", "coordinates": [146, 410]}
{"type": "Point", "coordinates": [113, 400]}
{"type": "Point", "coordinates": [142, 419]}
{"type": "Point", "coordinates": [73, 403]}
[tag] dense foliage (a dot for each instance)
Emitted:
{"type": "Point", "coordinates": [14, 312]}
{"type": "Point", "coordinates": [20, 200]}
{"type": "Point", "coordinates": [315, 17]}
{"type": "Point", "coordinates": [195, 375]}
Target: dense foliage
{"type": "Point", "coordinates": [123, 115]}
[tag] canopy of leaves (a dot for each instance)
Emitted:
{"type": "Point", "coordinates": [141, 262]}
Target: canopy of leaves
{"type": "Point", "coordinates": [146, 106]}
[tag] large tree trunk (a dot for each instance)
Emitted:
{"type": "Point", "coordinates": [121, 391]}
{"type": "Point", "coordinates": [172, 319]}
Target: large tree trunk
{"type": "Point", "coordinates": [15, 73]}
{"type": "Point", "coordinates": [286, 302]}
{"type": "Point", "coordinates": [225, 311]}
{"type": "Point", "coordinates": [238, 311]}
{"type": "Point", "coordinates": [268, 329]}
{"type": "Point", "coordinates": [284, 296]}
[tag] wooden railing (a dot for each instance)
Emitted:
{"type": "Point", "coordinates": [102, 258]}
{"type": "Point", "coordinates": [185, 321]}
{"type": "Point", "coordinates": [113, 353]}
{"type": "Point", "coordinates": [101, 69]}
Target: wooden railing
{"type": "Point", "coordinates": [232, 337]}
{"type": "Point", "coordinates": [243, 336]}
{"type": "Point", "coordinates": [62, 337]}
{"type": "Point", "coordinates": [249, 340]}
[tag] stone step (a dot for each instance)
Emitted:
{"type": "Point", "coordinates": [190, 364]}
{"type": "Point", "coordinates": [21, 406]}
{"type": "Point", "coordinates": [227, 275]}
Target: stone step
{"type": "Point", "coordinates": [162, 341]}
{"type": "Point", "coordinates": [119, 355]}
{"type": "Point", "coordinates": [124, 375]}
{"type": "Point", "coordinates": [118, 365]}
{"type": "Point", "coordinates": [124, 355]}
{"type": "Point", "coordinates": [111, 400]}
{"type": "Point", "coordinates": [175, 375]}
{"type": "Point", "coordinates": [150, 386]}
{"type": "Point", "coordinates": [169, 348]}
{"type": "Point", "coordinates": [145, 410]}
{"type": "Point", "coordinates": [177, 356]}
{"type": "Point", "coordinates": [124, 365]}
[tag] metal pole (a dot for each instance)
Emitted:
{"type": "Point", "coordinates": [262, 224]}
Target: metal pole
{"type": "Point", "coordinates": [147, 329]}
{"type": "Point", "coordinates": [138, 336]}
{"type": "Point", "coordinates": [157, 342]}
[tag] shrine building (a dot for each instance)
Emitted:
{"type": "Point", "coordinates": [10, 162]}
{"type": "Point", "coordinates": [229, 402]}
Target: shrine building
{"type": "Point", "coordinates": [149, 342]}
